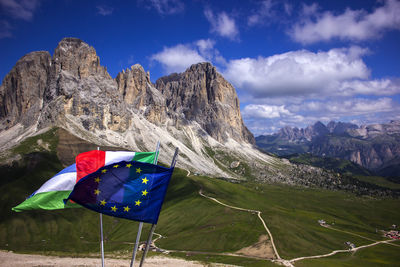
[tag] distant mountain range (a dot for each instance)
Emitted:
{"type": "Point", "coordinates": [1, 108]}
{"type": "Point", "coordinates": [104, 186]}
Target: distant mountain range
{"type": "Point", "coordinates": [375, 147]}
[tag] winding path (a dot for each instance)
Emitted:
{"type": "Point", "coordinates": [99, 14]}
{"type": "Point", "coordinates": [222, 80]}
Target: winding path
{"type": "Point", "coordinates": [248, 210]}
{"type": "Point", "coordinates": [340, 251]}
{"type": "Point", "coordinates": [288, 263]}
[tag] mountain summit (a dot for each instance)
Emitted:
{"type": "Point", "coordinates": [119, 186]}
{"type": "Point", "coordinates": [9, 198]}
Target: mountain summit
{"type": "Point", "coordinates": [193, 110]}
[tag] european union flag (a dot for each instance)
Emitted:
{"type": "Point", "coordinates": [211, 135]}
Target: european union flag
{"type": "Point", "coordinates": [131, 190]}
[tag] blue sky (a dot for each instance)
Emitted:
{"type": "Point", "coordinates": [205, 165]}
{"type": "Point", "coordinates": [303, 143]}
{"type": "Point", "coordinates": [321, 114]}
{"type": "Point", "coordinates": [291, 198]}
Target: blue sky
{"type": "Point", "coordinates": [291, 62]}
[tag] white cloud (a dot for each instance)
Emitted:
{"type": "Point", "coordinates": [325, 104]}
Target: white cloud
{"type": "Point", "coordinates": [356, 25]}
{"type": "Point", "coordinates": [206, 47]}
{"type": "Point", "coordinates": [104, 10]}
{"type": "Point", "coordinates": [20, 9]}
{"type": "Point", "coordinates": [222, 24]}
{"type": "Point", "coordinates": [265, 111]}
{"type": "Point", "coordinates": [298, 73]}
{"type": "Point", "coordinates": [166, 7]}
{"type": "Point", "coordinates": [373, 87]}
{"type": "Point", "coordinates": [178, 58]}
{"type": "Point", "coordinates": [349, 107]}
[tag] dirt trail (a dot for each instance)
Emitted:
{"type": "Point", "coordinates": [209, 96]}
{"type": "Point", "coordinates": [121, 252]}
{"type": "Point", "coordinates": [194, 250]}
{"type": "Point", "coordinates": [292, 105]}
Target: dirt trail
{"type": "Point", "coordinates": [8, 259]}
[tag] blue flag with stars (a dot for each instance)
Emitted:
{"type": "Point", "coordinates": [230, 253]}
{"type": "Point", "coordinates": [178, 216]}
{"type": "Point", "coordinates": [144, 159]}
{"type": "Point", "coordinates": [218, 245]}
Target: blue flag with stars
{"type": "Point", "coordinates": [131, 190]}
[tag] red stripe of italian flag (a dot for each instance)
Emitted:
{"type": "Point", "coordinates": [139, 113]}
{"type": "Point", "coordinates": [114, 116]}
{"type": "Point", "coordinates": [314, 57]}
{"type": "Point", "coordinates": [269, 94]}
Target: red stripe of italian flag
{"type": "Point", "coordinates": [91, 161]}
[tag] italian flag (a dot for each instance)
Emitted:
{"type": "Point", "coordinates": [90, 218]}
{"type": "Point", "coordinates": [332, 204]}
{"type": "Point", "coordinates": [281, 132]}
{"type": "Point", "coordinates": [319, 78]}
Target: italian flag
{"type": "Point", "coordinates": [51, 195]}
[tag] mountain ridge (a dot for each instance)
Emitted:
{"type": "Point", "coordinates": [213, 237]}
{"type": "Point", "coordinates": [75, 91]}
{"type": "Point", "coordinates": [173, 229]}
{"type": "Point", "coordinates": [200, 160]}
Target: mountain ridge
{"type": "Point", "coordinates": [197, 111]}
{"type": "Point", "coordinates": [375, 147]}
{"type": "Point", "coordinates": [76, 93]}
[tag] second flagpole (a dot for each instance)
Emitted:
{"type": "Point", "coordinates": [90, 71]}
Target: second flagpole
{"type": "Point", "coordinates": [141, 223]}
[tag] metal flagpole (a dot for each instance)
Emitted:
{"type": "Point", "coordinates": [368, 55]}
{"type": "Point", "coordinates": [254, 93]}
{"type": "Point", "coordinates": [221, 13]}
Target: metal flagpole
{"type": "Point", "coordinates": [139, 233]}
{"type": "Point", "coordinates": [101, 235]}
{"type": "Point", "coordinates": [101, 238]}
{"type": "Point", "coordinates": [153, 226]}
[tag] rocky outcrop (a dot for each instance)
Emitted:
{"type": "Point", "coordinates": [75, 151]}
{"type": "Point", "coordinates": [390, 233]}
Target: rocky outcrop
{"type": "Point", "coordinates": [80, 87]}
{"type": "Point", "coordinates": [78, 58]}
{"type": "Point", "coordinates": [22, 90]}
{"type": "Point", "coordinates": [138, 92]}
{"type": "Point", "coordinates": [202, 95]}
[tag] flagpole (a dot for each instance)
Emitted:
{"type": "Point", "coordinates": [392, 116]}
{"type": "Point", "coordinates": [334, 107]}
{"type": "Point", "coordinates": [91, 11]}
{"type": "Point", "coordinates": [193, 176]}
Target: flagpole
{"type": "Point", "coordinates": [101, 235]}
{"type": "Point", "coordinates": [153, 226]}
{"type": "Point", "coordinates": [139, 233]}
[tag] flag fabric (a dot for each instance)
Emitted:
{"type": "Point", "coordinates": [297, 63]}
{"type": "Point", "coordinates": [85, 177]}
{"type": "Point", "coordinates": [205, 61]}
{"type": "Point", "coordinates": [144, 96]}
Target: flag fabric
{"type": "Point", "coordinates": [51, 195]}
{"type": "Point", "coordinates": [130, 190]}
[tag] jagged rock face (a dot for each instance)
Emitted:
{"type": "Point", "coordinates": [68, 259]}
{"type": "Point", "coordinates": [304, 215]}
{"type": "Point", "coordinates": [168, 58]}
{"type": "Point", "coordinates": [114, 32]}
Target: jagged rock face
{"type": "Point", "coordinates": [72, 87]}
{"type": "Point", "coordinates": [138, 92]}
{"type": "Point", "coordinates": [79, 86]}
{"type": "Point", "coordinates": [201, 94]}
{"type": "Point", "coordinates": [21, 93]}
{"type": "Point", "coordinates": [78, 58]}
{"type": "Point", "coordinates": [340, 127]}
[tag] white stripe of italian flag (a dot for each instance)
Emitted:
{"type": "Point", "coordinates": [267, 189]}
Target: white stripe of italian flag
{"type": "Point", "coordinates": [51, 195]}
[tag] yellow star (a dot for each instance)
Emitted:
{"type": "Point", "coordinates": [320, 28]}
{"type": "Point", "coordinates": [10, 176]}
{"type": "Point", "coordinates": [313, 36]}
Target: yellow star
{"type": "Point", "coordinates": [114, 209]}
{"type": "Point", "coordinates": [103, 171]}
{"type": "Point", "coordinates": [144, 180]}
{"type": "Point", "coordinates": [138, 170]}
{"type": "Point", "coordinates": [144, 193]}
{"type": "Point", "coordinates": [128, 165]}
{"type": "Point", "coordinates": [116, 166]}
{"type": "Point", "coordinates": [103, 202]}
{"type": "Point", "coordinates": [97, 179]}
{"type": "Point", "coordinates": [126, 208]}
{"type": "Point", "coordinates": [137, 203]}
{"type": "Point", "coordinates": [97, 192]}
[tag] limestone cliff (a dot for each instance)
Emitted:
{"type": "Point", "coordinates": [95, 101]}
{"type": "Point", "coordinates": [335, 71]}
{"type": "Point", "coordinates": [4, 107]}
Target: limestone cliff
{"type": "Point", "coordinates": [21, 93]}
{"type": "Point", "coordinates": [201, 94]}
{"type": "Point", "coordinates": [138, 92]}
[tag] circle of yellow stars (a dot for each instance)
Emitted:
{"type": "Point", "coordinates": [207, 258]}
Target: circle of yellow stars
{"type": "Point", "coordinates": [126, 208]}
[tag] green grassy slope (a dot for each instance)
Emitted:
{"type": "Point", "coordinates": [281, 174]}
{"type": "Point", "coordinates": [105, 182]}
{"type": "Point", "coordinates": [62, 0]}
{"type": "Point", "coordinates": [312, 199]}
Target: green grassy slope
{"type": "Point", "coordinates": [192, 223]}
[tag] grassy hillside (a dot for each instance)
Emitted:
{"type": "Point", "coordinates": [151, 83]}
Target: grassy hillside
{"type": "Point", "coordinates": [190, 222]}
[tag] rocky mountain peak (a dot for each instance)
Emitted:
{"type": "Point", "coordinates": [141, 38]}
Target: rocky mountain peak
{"type": "Point", "coordinates": [201, 94]}
{"type": "Point", "coordinates": [138, 92]}
{"type": "Point", "coordinates": [78, 58]}
{"type": "Point", "coordinates": [340, 127]}
{"type": "Point", "coordinates": [21, 92]}
{"type": "Point", "coordinates": [319, 129]}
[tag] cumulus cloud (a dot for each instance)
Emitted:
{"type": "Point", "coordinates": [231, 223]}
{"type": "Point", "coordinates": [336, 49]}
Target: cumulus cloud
{"type": "Point", "coordinates": [179, 57]}
{"type": "Point", "coordinates": [355, 25]}
{"type": "Point", "coordinates": [104, 10]}
{"type": "Point", "coordinates": [20, 9]}
{"type": "Point", "coordinates": [265, 111]}
{"type": "Point", "coordinates": [222, 24]}
{"type": "Point", "coordinates": [299, 73]}
{"type": "Point", "coordinates": [166, 7]}
{"type": "Point", "coordinates": [349, 107]}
